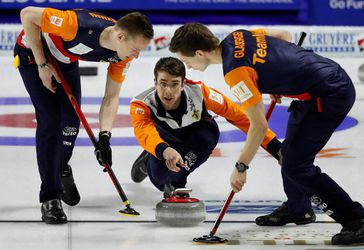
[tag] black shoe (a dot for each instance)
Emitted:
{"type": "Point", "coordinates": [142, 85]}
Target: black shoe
{"type": "Point", "coordinates": [281, 216]}
{"type": "Point", "coordinates": [70, 194]}
{"type": "Point", "coordinates": [351, 235]}
{"type": "Point", "coordinates": [52, 212]}
{"type": "Point", "coordinates": [139, 169]}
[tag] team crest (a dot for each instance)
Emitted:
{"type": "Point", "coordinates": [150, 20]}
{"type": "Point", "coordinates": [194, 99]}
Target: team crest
{"type": "Point", "coordinates": [196, 114]}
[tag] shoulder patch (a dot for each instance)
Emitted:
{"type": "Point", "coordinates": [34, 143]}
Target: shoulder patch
{"type": "Point", "coordinates": [57, 21]}
{"type": "Point", "coordinates": [139, 111]}
{"type": "Point", "coordinates": [217, 97]}
{"type": "Point", "coordinates": [241, 91]}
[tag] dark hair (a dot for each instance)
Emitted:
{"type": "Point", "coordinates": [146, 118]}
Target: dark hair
{"type": "Point", "coordinates": [191, 37]}
{"type": "Point", "coordinates": [171, 65]}
{"type": "Point", "coordinates": [135, 23]}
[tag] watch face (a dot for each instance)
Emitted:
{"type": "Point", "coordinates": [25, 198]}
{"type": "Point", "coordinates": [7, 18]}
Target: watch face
{"type": "Point", "coordinates": [241, 167]}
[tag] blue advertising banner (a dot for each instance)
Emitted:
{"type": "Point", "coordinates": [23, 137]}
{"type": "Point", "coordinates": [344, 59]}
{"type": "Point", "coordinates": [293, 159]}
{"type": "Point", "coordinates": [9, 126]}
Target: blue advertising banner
{"type": "Point", "coordinates": [294, 5]}
{"type": "Point", "coordinates": [336, 12]}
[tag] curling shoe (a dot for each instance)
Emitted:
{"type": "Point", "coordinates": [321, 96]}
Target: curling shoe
{"type": "Point", "coordinates": [52, 212]}
{"type": "Point", "coordinates": [139, 169]}
{"type": "Point", "coordinates": [70, 194]}
{"type": "Point", "coordinates": [281, 216]}
{"type": "Point", "coordinates": [352, 234]}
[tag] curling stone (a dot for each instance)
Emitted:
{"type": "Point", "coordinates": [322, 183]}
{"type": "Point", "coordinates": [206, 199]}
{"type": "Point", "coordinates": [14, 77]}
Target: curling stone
{"type": "Point", "coordinates": [361, 72]}
{"type": "Point", "coordinates": [180, 211]}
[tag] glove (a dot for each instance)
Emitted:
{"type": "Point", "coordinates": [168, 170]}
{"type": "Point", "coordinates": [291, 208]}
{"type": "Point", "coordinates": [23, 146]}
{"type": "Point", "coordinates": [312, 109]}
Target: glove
{"type": "Point", "coordinates": [103, 149]}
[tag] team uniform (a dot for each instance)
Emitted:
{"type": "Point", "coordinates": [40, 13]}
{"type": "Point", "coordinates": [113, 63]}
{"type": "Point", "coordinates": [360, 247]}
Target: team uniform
{"type": "Point", "coordinates": [68, 36]}
{"type": "Point", "coordinates": [254, 63]}
{"type": "Point", "coordinates": [190, 129]}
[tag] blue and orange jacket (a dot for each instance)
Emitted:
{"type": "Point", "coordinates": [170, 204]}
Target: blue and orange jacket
{"type": "Point", "coordinates": [73, 35]}
{"type": "Point", "coordinates": [150, 126]}
{"type": "Point", "coordinates": [254, 63]}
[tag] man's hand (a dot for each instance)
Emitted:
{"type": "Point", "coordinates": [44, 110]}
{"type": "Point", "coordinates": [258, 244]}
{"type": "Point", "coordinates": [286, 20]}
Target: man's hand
{"type": "Point", "coordinates": [276, 98]}
{"type": "Point", "coordinates": [173, 160]}
{"type": "Point", "coordinates": [237, 180]}
{"type": "Point", "coordinates": [103, 149]}
{"type": "Point", "coordinates": [46, 72]}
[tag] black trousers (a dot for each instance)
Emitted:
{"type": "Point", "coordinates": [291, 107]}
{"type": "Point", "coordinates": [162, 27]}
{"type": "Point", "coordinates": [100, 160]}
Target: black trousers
{"type": "Point", "coordinates": [57, 122]}
{"type": "Point", "coordinates": [195, 147]}
{"type": "Point", "coordinates": [308, 130]}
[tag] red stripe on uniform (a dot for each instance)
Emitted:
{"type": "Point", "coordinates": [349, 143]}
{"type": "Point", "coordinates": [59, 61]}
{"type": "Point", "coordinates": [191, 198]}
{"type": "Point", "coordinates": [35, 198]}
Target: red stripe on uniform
{"type": "Point", "coordinates": [20, 37]}
{"type": "Point", "coordinates": [302, 97]}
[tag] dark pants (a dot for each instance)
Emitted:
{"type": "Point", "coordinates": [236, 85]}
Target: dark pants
{"type": "Point", "coordinates": [57, 122]}
{"type": "Point", "coordinates": [307, 133]}
{"type": "Point", "coordinates": [195, 147]}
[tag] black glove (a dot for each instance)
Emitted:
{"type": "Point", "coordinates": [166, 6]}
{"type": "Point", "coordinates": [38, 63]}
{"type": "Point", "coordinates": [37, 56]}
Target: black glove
{"type": "Point", "coordinates": [103, 149]}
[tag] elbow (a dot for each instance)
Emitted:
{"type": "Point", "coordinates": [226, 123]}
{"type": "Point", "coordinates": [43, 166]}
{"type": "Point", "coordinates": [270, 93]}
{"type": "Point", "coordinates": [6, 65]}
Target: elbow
{"type": "Point", "coordinates": [261, 127]}
{"type": "Point", "coordinates": [25, 12]}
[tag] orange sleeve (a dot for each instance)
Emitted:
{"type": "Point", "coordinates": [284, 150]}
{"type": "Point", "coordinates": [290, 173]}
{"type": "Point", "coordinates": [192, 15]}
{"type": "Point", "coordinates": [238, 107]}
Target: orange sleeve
{"type": "Point", "coordinates": [117, 71]}
{"type": "Point", "coordinates": [243, 84]}
{"type": "Point", "coordinates": [60, 23]}
{"type": "Point", "coordinates": [232, 112]}
{"type": "Point", "coordinates": [144, 128]}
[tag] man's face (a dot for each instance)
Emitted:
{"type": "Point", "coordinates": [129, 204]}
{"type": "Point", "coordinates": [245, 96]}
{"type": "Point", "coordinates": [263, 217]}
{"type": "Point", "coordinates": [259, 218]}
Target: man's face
{"type": "Point", "coordinates": [169, 89]}
{"type": "Point", "coordinates": [128, 46]}
{"type": "Point", "coordinates": [197, 62]}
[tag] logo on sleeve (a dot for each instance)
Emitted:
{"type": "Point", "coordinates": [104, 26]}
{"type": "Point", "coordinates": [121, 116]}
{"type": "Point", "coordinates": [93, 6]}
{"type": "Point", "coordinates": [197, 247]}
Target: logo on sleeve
{"type": "Point", "coordinates": [57, 21]}
{"type": "Point", "coordinates": [214, 96]}
{"type": "Point", "coordinates": [241, 91]}
{"type": "Point", "coordinates": [139, 111]}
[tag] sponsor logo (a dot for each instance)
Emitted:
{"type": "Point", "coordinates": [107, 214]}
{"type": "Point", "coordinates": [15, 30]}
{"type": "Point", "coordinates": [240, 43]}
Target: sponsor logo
{"type": "Point", "coordinates": [322, 205]}
{"type": "Point", "coordinates": [139, 111]}
{"type": "Point", "coordinates": [190, 158]}
{"type": "Point", "coordinates": [57, 21]}
{"type": "Point", "coordinates": [347, 4]}
{"type": "Point", "coordinates": [247, 206]}
{"type": "Point", "coordinates": [214, 96]}
{"type": "Point", "coordinates": [67, 143]}
{"type": "Point", "coordinates": [241, 91]}
{"type": "Point", "coordinates": [70, 131]}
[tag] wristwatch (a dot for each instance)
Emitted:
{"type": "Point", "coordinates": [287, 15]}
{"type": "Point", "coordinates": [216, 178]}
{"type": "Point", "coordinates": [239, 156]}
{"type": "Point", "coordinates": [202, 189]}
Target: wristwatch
{"type": "Point", "coordinates": [241, 167]}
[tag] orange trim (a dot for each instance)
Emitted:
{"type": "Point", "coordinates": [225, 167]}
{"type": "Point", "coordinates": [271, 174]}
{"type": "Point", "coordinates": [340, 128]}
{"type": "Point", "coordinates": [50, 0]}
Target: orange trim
{"type": "Point", "coordinates": [231, 111]}
{"type": "Point", "coordinates": [144, 127]}
{"type": "Point", "coordinates": [117, 71]}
